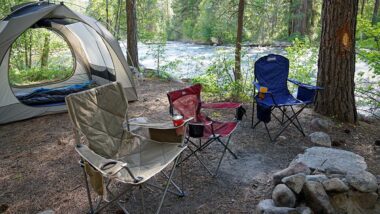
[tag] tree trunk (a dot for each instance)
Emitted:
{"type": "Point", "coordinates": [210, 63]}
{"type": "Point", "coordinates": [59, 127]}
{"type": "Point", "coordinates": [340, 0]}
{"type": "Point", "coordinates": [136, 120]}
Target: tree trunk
{"type": "Point", "coordinates": [290, 20]}
{"type": "Point", "coordinates": [362, 7]}
{"type": "Point", "coordinates": [336, 62]}
{"type": "Point", "coordinates": [132, 54]}
{"type": "Point", "coordinates": [30, 49]}
{"type": "Point", "coordinates": [300, 15]}
{"type": "Point", "coordinates": [107, 16]}
{"type": "Point", "coordinates": [117, 21]}
{"type": "Point", "coordinates": [26, 52]}
{"type": "Point", "coordinates": [274, 19]}
{"type": "Point", "coordinates": [239, 35]}
{"type": "Point", "coordinates": [375, 12]}
{"type": "Point", "coordinates": [45, 52]}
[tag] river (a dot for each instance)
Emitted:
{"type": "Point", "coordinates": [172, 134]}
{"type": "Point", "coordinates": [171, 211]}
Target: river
{"type": "Point", "coordinates": [192, 60]}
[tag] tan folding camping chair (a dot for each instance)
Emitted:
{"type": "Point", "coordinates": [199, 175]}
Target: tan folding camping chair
{"type": "Point", "coordinates": [114, 149]}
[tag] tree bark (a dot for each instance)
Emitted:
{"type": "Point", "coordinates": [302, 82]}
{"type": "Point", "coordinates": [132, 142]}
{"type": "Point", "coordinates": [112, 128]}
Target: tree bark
{"type": "Point", "coordinates": [107, 16]}
{"type": "Point", "coordinates": [133, 59]}
{"type": "Point", "coordinates": [362, 7]}
{"type": "Point", "coordinates": [290, 19]}
{"type": "Point", "coordinates": [239, 35]}
{"type": "Point", "coordinates": [300, 16]}
{"type": "Point", "coordinates": [30, 49]}
{"type": "Point", "coordinates": [117, 20]}
{"type": "Point", "coordinates": [45, 52]}
{"type": "Point", "coordinates": [336, 62]}
{"type": "Point", "coordinates": [26, 52]}
{"type": "Point", "coordinates": [375, 12]}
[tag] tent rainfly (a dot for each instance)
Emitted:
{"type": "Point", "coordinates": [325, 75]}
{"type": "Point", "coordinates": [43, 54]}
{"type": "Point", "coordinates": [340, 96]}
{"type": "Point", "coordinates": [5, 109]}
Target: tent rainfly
{"type": "Point", "coordinates": [97, 56]}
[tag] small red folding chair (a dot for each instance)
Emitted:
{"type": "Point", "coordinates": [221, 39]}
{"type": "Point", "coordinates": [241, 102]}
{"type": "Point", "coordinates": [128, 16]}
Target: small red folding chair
{"type": "Point", "coordinates": [187, 102]}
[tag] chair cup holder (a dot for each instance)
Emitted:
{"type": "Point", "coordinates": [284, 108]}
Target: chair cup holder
{"type": "Point", "coordinates": [196, 130]}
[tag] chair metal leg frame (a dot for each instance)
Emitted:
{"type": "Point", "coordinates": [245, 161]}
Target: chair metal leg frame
{"type": "Point", "coordinates": [266, 127]}
{"type": "Point", "coordinates": [115, 198]}
{"type": "Point", "coordinates": [282, 118]}
{"type": "Point", "coordinates": [290, 118]}
{"type": "Point", "coordinates": [217, 138]}
{"type": "Point", "coordinates": [198, 148]}
{"type": "Point", "coordinates": [281, 121]}
{"type": "Point", "coordinates": [181, 193]}
{"type": "Point", "coordinates": [224, 152]}
{"type": "Point", "coordinates": [87, 187]}
{"type": "Point", "coordinates": [206, 144]}
{"type": "Point", "coordinates": [290, 121]}
{"type": "Point", "coordinates": [167, 185]}
{"type": "Point", "coordinates": [194, 152]}
{"type": "Point", "coordinates": [226, 146]}
{"type": "Point", "coordinates": [298, 120]}
{"type": "Point", "coordinates": [295, 117]}
{"type": "Point", "coordinates": [270, 137]}
{"type": "Point", "coordinates": [97, 209]}
{"type": "Point", "coordinates": [142, 198]}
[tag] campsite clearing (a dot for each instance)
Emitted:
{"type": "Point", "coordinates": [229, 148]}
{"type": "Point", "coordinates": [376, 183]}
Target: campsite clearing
{"type": "Point", "coordinates": [39, 168]}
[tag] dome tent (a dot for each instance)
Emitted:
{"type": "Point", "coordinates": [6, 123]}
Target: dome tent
{"type": "Point", "coordinates": [98, 56]}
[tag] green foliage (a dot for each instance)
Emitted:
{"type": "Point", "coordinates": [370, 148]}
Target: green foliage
{"type": "Point", "coordinates": [37, 75]}
{"type": "Point", "coordinates": [25, 59]}
{"type": "Point", "coordinates": [368, 43]}
{"type": "Point", "coordinates": [303, 57]}
{"type": "Point", "coordinates": [6, 5]}
{"type": "Point", "coordinates": [218, 81]}
{"type": "Point", "coordinates": [367, 88]}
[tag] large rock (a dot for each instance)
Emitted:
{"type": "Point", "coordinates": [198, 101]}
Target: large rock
{"type": "Point", "coordinates": [295, 168]}
{"type": "Point", "coordinates": [267, 207]}
{"type": "Point", "coordinates": [316, 198]}
{"type": "Point", "coordinates": [362, 181]}
{"type": "Point", "coordinates": [335, 185]}
{"type": "Point", "coordinates": [320, 138]}
{"type": "Point", "coordinates": [354, 202]}
{"type": "Point", "coordinates": [366, 200]}
{"type": "Point", "coordinates": [318, 124]}
{"type": "Point", "coordinates": [283, 196]}
{"type": "Point", "coordinates": [317, 178]}
{"type": "Point", "coordinates": [295, 182]}
{"type": "Point", "coordinates": [304, 210]}
{"type": "Point", "coordinates": [322, 158]}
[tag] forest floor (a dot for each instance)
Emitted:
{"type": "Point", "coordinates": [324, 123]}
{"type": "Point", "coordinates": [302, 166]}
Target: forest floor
{"type": "Point", "coordinates": [39, 167]}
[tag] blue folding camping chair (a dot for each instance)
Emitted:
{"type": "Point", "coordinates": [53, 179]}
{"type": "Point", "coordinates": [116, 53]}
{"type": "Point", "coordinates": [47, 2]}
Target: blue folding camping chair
{"type": "Point", "coordinates": [271, 76]}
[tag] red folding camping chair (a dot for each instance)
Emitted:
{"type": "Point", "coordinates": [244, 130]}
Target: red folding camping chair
{"type": "Point", "coordinates": [187, 102]}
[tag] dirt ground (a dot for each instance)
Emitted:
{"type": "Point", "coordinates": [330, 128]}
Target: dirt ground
{"type": "Point", "coordinates": [39, 168]}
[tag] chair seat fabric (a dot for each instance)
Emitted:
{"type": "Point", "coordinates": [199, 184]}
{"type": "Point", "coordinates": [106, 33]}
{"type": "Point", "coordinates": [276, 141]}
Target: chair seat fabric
{"type": "Point", "coordinates": [149, 159]}
{"type": "Point", "coordinates": [277, 100]}
{"type": "Point", "coordinates": [223, 129]}
{"type": "Point", "coordinates": [145, 158]}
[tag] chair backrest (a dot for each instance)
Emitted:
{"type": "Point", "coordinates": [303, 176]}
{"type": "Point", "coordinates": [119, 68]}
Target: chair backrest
{"type": "Point", "coordinates": [99, 114]}
{"type": "Point", "coordinates": [272, 71]}
{"type": "Point", "coordinates": [186, 101]}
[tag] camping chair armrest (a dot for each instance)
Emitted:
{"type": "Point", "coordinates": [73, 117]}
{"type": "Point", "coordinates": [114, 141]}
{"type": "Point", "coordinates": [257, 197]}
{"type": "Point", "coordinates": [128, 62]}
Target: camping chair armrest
{"type": "Point", "coordinates": [221, 105]}
{"type": "Point", "coordinates": [303, 85]}
{"type": "Point", "coordinates": [155, 125]}
{"type": "Point", "coordinates": [108, 167]}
